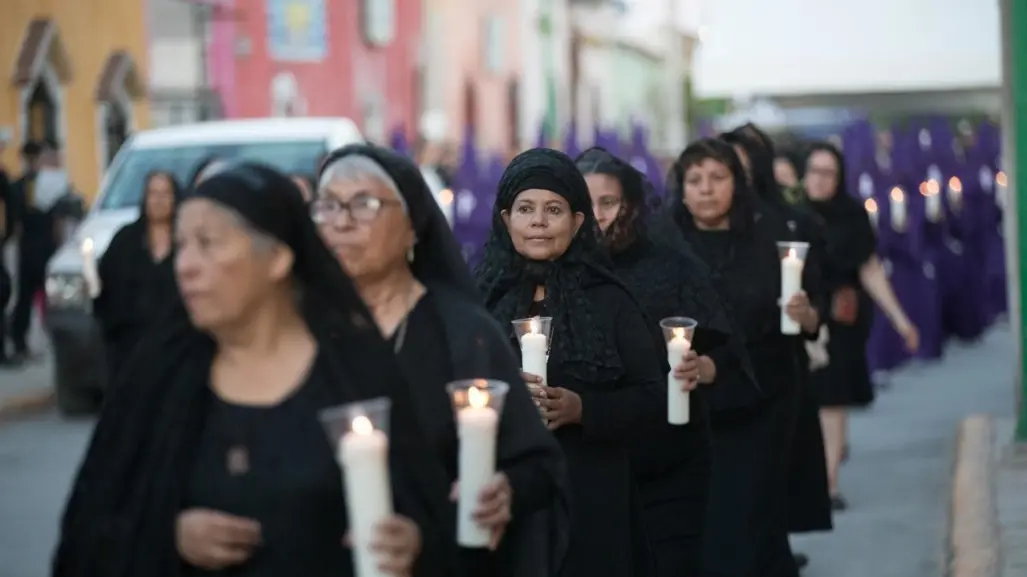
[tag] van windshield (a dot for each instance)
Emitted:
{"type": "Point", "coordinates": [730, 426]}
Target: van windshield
{"type": "Point", "coordinates": [125, 187]}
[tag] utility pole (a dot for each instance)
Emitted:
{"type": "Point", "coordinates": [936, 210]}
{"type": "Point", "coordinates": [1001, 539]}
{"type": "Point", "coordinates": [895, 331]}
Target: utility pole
{"type": "Point", "coordinates": [1014, 161]}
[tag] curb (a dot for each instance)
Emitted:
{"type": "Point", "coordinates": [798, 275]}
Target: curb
{"type": "Point", "coordinates": [27, 402]}
{"type": "Point", "coordinates": [973, 539]}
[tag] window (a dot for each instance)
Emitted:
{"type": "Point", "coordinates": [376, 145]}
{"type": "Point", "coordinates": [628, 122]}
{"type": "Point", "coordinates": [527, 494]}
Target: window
{"type": "Point", "coordinates": [379, 21]}
{"type": "Point", "coordinates": [126, 183]}
{"type": "Point", "coordinates": [493, 42]}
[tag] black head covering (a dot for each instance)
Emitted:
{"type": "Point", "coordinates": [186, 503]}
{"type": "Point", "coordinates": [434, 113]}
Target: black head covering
{"type": "Point", "coordinates": [437, 255]}
{"type": "Point", "coordinates": [635, 188]}
{"type": "Point", "coordinates": [760, 149]}
{"type": "Point", "coordinates": [508, 280]}
{"type": "Point", "coordinates": [119, 519]}
{"type": "Point", "coordinates": [202, 166]}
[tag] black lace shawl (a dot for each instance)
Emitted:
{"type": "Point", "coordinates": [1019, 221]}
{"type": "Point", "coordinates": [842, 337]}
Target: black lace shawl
{"type": "Point", "coordinates": [668, 280]}
{"type": "Point", "coordinates": [508, 280]}
{"type": "Point", "coordinates": [120, 516]}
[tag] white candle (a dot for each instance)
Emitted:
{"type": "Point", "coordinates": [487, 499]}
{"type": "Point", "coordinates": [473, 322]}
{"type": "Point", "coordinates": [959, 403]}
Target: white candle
{"type": "Point", "coordinates": [933, 206]}
{"type": "Point", "coordinates": [871, 207]}
{"type": "Point", "coordinates": [446, 203]}
{"type": "Point", "coordinates": [364, 454]}
{"type": "Point", "coordinates": [534, 350]}
{"type": "Point", "coordinates": [898, 208]}
{"type": "Point", "coordinates": [955, 194]}
{"type": "Point", "coordinates": [90, 273]}
{"type": "Point", "coordinates": [677, 399]}
{"type": "Point", "coordinates": [791, 283]}
{"type": "Point", "coordinates": [476, 427]}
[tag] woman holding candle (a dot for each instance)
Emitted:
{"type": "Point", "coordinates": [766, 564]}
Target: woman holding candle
{"type": "Point", "coordinates": [378, 216]}
{"type": "Point", "coordinates": [809, 503]}
{"type": "Point", "coordinates": [606, 383]}
{"type": "Point", "coordinates": [214, 459]}
{"type": "Point", "coordinates": [853, 275]}
{"type": "Point", "coordinates": [136, 272]}
{"type": "Point", "coordinates": [746, 531]}
{"type": "Point", "coordinates": [673, 464]}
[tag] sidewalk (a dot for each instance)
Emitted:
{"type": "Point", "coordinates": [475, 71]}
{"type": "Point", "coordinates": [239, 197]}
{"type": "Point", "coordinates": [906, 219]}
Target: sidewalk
{"type": "Point", "coordinates": [898, 480]}
{"type": "Point", "coordinates": [28, 388]}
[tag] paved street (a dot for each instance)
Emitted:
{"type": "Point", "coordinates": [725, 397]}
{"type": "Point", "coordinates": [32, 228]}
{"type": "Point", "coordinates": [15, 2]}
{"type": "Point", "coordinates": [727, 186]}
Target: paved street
{"type": "Point", "coordinates": [897, 480]}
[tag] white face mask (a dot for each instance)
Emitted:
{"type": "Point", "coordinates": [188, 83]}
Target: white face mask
{"type": "Point", "coordinates": [51, 185]}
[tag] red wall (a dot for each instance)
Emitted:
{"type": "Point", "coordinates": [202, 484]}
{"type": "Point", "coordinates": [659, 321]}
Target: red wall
{"type": "Point", "coordinates": [336, 85]}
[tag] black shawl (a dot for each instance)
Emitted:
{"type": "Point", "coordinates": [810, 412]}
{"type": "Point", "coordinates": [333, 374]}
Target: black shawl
{"type": "Point", "coordinates": [120, 517]}
{"type": "Point", "coordinates": [508, 280]}
{"type": "Point", "coordinates": [671, 279]}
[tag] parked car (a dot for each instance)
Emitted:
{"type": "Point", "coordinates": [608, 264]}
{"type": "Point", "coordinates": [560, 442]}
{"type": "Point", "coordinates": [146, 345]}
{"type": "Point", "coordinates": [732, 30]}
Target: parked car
{"type": "Point", "coordinates": [293, 145]}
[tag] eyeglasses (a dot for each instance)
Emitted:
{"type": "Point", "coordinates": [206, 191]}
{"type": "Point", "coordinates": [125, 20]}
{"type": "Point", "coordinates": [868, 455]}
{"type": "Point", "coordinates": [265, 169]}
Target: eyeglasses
{"type": "Point", "coordinates": [361, 208]}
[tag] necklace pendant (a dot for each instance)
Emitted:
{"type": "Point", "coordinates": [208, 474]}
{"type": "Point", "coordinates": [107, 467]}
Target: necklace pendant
{"type": "Point", "coordinates": [237, 461]}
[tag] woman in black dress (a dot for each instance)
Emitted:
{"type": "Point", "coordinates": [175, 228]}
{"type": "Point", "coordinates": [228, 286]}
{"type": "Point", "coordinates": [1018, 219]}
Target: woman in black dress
{"type": "Point", "coordinates": [214, 462]}
{"type": "Point", "coordinates": [673, 463]}
{"type": "Point", "coordinates": [736, 234]}
{"type": "Point", "coordinates": [606, 384]}
{"type": "Point", "coordinates": [376, 213]}
{"type": "Point", "coordinates": [136, 276]}
{"type": "Point", "coordinates": [809, 503]}
{"type": "Point", "coordinates": [850, 264]}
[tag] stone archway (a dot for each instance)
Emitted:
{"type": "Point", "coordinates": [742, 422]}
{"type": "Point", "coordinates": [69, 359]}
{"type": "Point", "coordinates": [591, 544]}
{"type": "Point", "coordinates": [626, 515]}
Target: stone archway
{"type": "Point", "coordinates": [41, 70]}
{"type": "Point", "coordinates": [118, 86]}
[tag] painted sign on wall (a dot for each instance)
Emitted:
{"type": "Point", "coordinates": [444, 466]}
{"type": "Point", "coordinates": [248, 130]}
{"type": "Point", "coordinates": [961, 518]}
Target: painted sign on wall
{"type": "Point", "coordinates": [297, 30]}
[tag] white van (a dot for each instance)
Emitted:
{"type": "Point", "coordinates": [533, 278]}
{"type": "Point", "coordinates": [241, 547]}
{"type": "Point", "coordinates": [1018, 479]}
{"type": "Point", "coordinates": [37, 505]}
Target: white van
{"type": "Point", "coordinates": [293, 145]}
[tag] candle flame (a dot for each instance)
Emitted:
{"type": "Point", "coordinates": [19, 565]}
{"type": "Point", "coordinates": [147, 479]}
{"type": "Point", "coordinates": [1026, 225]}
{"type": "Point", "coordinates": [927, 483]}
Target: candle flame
{"type": "Point", "coordinates": [1000, 178]}
{"type": "Point", "coordinates": [535, 326]}
{"type": "Point", "coordinates": [362, 426]}
{"type": "Point", "coordinates": [87, 244]}
{"type": "Point", "coordinates": [870, 205]}
{"type": "Point", "coordinates": [933, 187]}
{"type": "Point", "coordinates": [955, 185]}
{"type": "Point", "coordinates": [477, 398]}
{"type": "Point", "coordinates": [446, 196]}
{"type": "Point", "coordinates": [679, 332]}
{"type": "Point", "coordinates": [897, 195]}
{"type": "Point", "coordinates": [923, 188]}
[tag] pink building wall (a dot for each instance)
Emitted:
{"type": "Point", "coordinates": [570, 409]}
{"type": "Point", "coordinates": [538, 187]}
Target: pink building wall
{"type": "Point", "coordinates": [339, 84]}
{"type": "Point", "coordinates": [490, 109]}
{"type": "Point", "coordinates": [221, 56]}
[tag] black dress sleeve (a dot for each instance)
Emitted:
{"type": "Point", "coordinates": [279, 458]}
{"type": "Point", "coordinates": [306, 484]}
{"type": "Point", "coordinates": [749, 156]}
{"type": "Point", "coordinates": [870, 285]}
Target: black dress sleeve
{"type": "Point", "coordinates": [641, 395]}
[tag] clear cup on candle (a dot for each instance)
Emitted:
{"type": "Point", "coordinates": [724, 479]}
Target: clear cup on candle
{"type": "Point", "coordinates": [358, 433]}
{"type": "Point", "coordinates": [534, 335]}
{"type": "Point", "coordinates": [478, 404]}
{"type": "Point", "coordinates": [793, 259]}
{"type": "Point", "coordinates": [678, 332]}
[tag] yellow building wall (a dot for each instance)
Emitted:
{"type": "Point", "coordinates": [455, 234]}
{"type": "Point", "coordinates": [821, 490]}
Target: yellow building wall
{"type": "Point", "coordinates": [90, 30]}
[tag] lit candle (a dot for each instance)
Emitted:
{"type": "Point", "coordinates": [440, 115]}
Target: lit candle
{"type": "Point", "coordinates": [534, 350]}
{"type": "Point", "coordinates": [871, 207]}
{"type": "Point", "coordinates": [898, 208]}
{"type": "Point", "coordinates": [363, 452]}
{"type": "Point", "coordinates": [678, 408]}
{"type": "Point", "coordinates": [955, 194]}
{"type": "Point", "coordinates": [791, 283]}
{"type": "Point", "coordinates": [90, 272]}
{"type": "Point", "coordinates": [932, 200]}
{"type": "Point", "coordinates": [1001, 191]}
{"type": "Point", "coordinates": [446, 203]}
{"type": "Point", "coordinates": [477, 424]}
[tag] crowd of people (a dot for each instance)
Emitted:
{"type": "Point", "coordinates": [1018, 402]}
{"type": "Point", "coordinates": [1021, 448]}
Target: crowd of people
{"type": "Point", "coordinates": [243, 303]}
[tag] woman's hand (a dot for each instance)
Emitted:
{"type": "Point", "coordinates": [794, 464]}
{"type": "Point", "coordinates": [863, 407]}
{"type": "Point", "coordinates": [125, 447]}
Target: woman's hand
{"type": "Point", "coordinates": [213, 540]}
{"type": "Point", "coordinates": [910, 335]}
{"type": "Point", "coordinates": [707, 370]}
{"type": "Point", "coordinates": [535, 388]}
{"type": "Point", "coordinates": [493, 510]}
{"type": "Point", "coordinates": [800, 311]}
{"type": "Point", "coordinates": [687, 371]}
{"type": "Point", "coordinates": [560, 407]}
{"type": "Point", "coordinates": [397, 541]}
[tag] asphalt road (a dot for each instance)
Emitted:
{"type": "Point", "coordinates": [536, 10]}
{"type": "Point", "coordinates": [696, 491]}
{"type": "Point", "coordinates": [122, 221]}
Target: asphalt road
{"type": "Point", "coordinates": [897, 480]}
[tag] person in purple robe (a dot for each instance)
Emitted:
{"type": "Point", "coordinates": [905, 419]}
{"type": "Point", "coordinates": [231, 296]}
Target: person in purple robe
{"type": "Point", "coordinates": [853, 276]}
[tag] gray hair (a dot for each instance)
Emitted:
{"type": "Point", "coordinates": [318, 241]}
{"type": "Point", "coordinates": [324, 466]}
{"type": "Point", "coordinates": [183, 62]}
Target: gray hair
{"type": "Point", "coordinates": [359, 167]}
